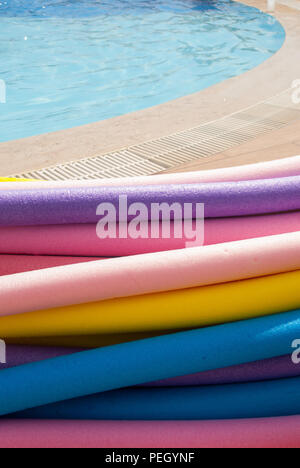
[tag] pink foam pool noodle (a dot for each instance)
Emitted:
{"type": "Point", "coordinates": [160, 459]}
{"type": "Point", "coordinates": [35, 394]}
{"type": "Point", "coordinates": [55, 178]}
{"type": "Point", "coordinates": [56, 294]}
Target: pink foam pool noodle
{"type": "Point", "coordinates": [149, 273]}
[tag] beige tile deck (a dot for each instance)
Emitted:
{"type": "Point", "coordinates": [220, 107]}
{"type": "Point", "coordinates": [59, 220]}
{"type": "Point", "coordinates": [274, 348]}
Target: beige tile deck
{"type": "Point", "coordinates": [271, 78]}
{"type": "Point", "coordinates": [278, 144]}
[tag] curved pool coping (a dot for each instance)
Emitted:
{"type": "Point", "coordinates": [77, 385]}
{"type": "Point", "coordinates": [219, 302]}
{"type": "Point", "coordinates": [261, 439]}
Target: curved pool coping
{"type": "Point", "coordinates": [261, 83]}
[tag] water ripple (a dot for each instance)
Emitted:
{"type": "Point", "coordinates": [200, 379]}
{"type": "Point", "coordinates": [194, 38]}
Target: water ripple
{"type": "Point", "coordinates": [71, 62]}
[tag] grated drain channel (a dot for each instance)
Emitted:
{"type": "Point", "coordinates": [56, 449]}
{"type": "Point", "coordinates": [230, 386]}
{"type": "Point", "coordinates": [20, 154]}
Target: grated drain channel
{"type": "Point", "coordinates": [171, 151]}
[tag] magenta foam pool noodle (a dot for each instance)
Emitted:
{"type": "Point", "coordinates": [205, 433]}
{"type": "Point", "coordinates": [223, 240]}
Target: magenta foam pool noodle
{"type": "Point", "coordinates": [79, 205]}
{"type": "Point", "coordinates": [283, 432]}
{"type": "Point", "coordinates": [12, 264]}
{"type": "Point", "coordinates": [81, 239]}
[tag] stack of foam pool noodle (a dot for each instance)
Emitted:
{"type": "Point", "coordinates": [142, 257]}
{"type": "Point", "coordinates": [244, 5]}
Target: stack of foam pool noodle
{"type": "Point", "coordinates": [152, 342]}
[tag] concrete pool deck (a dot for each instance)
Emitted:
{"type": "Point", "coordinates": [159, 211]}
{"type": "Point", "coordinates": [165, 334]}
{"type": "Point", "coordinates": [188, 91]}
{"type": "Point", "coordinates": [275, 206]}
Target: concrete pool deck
{"type": "Point", "coordinates": [232, 96]}
{"type": "Point", "coordinates": [277, 144]}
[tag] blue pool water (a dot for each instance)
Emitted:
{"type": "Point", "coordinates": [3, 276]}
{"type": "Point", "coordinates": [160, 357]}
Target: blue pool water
{"type": "Point", "coordinates": [72, 62]}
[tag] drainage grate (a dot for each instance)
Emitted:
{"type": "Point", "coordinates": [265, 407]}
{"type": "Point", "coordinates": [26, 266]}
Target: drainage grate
{"type": "Point", "coordinates": [171, 151]}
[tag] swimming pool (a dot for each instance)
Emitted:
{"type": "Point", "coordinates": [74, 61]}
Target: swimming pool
{"type": "Point", "coordinates": [72, 62]}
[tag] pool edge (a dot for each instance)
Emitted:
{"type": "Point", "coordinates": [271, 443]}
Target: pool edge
{"type": "Point", "coordinates": [273, 76]}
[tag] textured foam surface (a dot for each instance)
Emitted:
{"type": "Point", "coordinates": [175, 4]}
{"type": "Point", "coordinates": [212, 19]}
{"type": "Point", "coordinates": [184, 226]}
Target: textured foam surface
{"type": "Point", "coordinates": [245, 433]}
{"type": "Point", "coordinates": [185, 308]}
{"type": "Point", "coordinates": [267, 369]}
{"type": "Point", "coordinates": [247, 400]}
{"type": "Point", "coordinates": [142, 361]}
{"type": "Point", "coordinates": [81, 239]}
{"type": "Point", "coordinates": [12, 264]}
{"type": "Point", "coordinates": [79, 205]}
{"type": "Point", "coordinates": [149, 273]}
